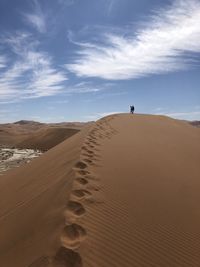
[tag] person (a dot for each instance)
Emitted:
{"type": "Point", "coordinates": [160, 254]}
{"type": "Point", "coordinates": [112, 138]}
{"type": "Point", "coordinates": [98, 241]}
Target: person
{"type": "Point", "coordinates": [132, 109]}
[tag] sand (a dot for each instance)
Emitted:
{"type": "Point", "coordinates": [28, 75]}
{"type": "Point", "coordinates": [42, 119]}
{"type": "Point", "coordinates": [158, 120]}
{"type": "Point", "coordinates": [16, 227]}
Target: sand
{"type": "Point", "coordinates": [122, 192]}
{"type": "Point", "coordinates": [35, 135]}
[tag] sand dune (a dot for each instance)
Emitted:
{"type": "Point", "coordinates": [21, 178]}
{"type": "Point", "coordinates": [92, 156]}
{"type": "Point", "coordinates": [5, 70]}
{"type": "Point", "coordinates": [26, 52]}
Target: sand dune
{"type": "Point", "coordinates": [33, 199]}
{"type": "Point", "coordinates": [35, 135]}
{"type": "Point", "coordinates": [46, 138]}
{"type": "Point", "coordinates": [123, 192]}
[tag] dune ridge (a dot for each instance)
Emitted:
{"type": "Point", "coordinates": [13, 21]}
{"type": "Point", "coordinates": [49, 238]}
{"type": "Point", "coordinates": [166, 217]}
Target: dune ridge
{"type": "Point", "coordinates": [122, 192]}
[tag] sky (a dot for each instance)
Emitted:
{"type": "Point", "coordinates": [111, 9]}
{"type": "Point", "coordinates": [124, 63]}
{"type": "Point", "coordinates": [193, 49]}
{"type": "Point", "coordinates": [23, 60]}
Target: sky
{"type": "Point", "coordinates": [75, 60]}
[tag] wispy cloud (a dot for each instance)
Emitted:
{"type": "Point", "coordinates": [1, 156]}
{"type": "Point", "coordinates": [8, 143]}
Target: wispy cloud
{"type": "Point", "coordinates": [102, 96]}
{"type": "Point", "coordinates": [3, 61]}
{"type": "Point", "coordinates": [64, 101]}
{"type": "Point", "coordinates": [37, 18]}
{"type": "Point", "coordinates": [84, 87]}
{"type": "Point", "coordinates": [32, 74]}
{"type": "Point", "coordinates": [164, 44]}
{"type": "Point", "coordinates": [110, 4]}
{"type": "Point", "coordinates": [66, 2]}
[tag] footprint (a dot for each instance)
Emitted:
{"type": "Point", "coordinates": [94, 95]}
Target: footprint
{"type": "Point", "coordinates": [88, 154]}
{"type": "Point", "coordinates": [67, 258]}
{"type": "Point", "coordinates": [80, 165]}
{"type": "Point", "coordinates": [91, 138]}
{"type": "Point", "coordinates": [95, 157]}
{"type": "Point", "coordinates": [84, 147]}
{"type": "Point", "coordinates": [80, 193]}
{"type": "Point", "coordinates": [72, 236]}
{"type": "Point", "coordinates": [95, 143]}
{"type": "Point", "coordinates": [88, 161]}
{"type": "Point", "coordinates": [76, 208]}
{"type": "Point", "coordinates": [81, 180]}
{"type": "Point", "coordinates": [91, 146]}
{"type": "Point", "coordinates": [88, 150]}
{"type": "Point", "coordinates": [41, 262]}
{"type": "Point", "coordinates": [83, 172]}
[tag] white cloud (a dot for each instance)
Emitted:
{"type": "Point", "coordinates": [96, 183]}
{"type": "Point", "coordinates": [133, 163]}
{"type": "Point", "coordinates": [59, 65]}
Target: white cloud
{"type": "Point", "coordinates": [37, 21]}
{"type": "Point", "coordinates": [37, 18]}
{"type": "Point", "coordinates": [31, 75]}
{"type": "Point", "coordinates": [163, 45]}
{"type": "Point", "coordinates": [45, 80]}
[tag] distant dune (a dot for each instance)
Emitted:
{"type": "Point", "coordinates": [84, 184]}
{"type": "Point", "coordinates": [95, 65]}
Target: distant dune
{"type": "Point", "coordinates": [123, 192]}
{"type": "Point", "coordinates": [25, 122]}
{"type": "Point", "coordinates": [47, 138]}
{"type": "Point", "coordinates": [36, 135]}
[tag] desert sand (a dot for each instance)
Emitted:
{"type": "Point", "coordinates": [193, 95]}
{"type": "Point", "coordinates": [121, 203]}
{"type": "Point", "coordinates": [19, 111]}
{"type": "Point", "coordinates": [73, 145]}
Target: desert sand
{"type": "Point", "coordinates": [36, 135]}
{"type": "Point", "coordinates": [123, 192]}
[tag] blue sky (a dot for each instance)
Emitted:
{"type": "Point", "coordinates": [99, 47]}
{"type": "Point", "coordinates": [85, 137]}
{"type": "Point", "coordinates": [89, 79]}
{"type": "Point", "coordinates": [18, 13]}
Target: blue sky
{"type": "Point", "coordinates": [75, 60]}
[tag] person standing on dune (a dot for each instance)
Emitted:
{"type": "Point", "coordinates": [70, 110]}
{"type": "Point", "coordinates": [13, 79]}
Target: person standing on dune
{"type": "Point", "coordinates": [132, 109]}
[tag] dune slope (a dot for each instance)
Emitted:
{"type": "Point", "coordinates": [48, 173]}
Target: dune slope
{"type": "Point", "coordinates": [33, 199]}
{"type": "Point", "coordinates": [146, 212]}
{"type": "Point", "coordinates": [123, 192]}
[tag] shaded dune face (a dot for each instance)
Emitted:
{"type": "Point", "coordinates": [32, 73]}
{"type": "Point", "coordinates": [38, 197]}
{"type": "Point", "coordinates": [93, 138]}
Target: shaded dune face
{"type": "Point", "coordinates": [35, 135]}
{"type": "Point", "coordinates": [122, 192]}
{"type": "Point", "coordinates": [47, 138]}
